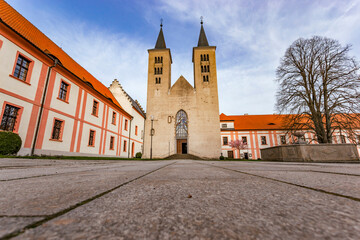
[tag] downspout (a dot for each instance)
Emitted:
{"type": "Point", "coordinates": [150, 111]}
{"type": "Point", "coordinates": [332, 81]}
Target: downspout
{"type": "Point", "coordinates": [42, 106]}
{"type": "Point", "coordinates": [129, 138]}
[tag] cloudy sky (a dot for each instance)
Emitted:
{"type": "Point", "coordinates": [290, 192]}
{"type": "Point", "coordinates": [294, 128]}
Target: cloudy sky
{"type": "Point", "coordinates": [110, 39]}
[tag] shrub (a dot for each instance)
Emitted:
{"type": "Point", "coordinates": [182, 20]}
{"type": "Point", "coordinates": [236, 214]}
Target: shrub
{"type": "Point", "coordinates": [10, 143]}
{"type": "Point", "coordinates": [221, 157]}
{"type": "Point", "coordinates": [138, 155]}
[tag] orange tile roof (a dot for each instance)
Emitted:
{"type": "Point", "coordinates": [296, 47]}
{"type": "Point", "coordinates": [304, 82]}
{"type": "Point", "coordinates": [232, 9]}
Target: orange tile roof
{"type": "Point", "coordinates": [270, 122]}
{"type": "Point", "coordinates": [21, 25]}
{"type": "Point", "coordinates": [255, 122]}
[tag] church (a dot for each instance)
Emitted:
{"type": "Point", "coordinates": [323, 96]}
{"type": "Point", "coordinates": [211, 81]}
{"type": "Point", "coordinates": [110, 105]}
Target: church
{"type": "Point", "coordinates": [182, 119]}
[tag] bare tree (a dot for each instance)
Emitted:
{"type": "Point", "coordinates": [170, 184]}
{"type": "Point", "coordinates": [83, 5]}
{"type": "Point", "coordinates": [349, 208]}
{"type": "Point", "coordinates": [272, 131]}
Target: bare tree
{"type": "Point", "coordinates": [319, 87]}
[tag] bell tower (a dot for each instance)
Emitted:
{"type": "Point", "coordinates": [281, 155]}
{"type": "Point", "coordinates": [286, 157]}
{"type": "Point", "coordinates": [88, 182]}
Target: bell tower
{"type": "Point", "coordinates": [204, 62]}
{"type": "Point", "coordinates": [158, 87]}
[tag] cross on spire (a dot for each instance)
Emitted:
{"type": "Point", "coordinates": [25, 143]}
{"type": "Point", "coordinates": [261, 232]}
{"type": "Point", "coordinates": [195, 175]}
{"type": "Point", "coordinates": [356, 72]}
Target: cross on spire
{"type": "Point", "coordinates": [161, 22]}
{"type": "Point", "coordinates": [201, 19]}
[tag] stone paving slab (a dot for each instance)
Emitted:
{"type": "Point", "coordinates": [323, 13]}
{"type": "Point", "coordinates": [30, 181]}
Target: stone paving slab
{"type": "Point", "coordinates": [49, 194]}
{"type": "Point", "coordinates": [350, 168]}
{"type": "Point", "coordinates": [10, 224]}
{"type": "Point", "coordinates": [179, 200]}
{"type": "Point", "coordinates": [191, 200]}
{"type": "Point", "coordinates": [329, 178]}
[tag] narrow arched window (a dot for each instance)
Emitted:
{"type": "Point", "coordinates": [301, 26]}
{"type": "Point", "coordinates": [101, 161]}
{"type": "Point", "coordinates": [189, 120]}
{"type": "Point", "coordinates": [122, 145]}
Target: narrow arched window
{"type": "Point", "coordinates": [181, 125]}
{"type": "Point", "coordinates": [160, 70]}
{"type": "Point", "coordinates": [159, 80]}
{"type": "Point", "coordinates": [161, 60]}
{"type": "Point", "coordinates": [154, 70]}
{"type": "Point", "coordinates": [208, 68]}
{"type": "Point", "coordinates": [202, 69]}
{"type": "Point", "coordinates": [207, 57]}
{"type": "Point", "coordinates": [204, 78]}
{"type": "Point", "coordinates": [155, 59]}
{"type": "Point", "coordinates": [202, 58]}
{"type": "Point", "coordinates": [207, 78]}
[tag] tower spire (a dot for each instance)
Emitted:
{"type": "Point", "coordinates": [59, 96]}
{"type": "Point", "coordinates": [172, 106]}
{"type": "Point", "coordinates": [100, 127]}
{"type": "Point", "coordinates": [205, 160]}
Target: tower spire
{"type": "Point", "coordinates": [160, 42]}
{"type": "Point", "coordinates": [203, 42]}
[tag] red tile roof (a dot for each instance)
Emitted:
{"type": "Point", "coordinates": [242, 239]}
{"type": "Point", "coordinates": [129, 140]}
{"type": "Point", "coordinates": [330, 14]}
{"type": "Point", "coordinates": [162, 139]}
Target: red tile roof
{"type": "Point", "coordinates": [21, 25]}
{"type": "Point", "coordinates": [255, 122]}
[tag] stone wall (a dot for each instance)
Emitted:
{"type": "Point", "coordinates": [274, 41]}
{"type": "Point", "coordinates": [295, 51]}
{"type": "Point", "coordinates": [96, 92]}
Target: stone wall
{"type": "Point", "coordinates": [311, 153]}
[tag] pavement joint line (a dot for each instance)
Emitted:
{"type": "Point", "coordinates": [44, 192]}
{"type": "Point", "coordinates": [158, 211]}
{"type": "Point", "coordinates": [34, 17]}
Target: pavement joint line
{"type": "Point", "coordinates": [45, 175]}
{"type": "Point", "coordinates": [22, 216]}
{"type": "Point", "coordinates": [346, 174]}
{"type": "Point", "coordinates": [289, 183]}
{"type": "Point", "coordinates": [79, 204]}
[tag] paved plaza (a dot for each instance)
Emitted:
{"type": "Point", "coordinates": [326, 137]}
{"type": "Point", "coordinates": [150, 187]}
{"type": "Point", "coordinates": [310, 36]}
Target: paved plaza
{"type": "Point", "coordinates": [182, 199]}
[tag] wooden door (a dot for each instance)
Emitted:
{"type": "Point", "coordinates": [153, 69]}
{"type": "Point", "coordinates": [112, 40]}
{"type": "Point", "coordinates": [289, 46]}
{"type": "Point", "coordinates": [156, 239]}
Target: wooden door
{"type": "Point", "coordinates": [181, 143]}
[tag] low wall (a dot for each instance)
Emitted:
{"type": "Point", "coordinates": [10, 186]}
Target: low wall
{"type": "Point", "coordinates": [311, 153]}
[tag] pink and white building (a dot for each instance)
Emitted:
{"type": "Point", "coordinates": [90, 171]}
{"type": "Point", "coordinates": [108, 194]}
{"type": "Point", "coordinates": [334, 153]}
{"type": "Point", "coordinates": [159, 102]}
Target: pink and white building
{"type": "Point", "coordinates": [263, 131]}
{"type": "Point", "coordinates": [55, 105]}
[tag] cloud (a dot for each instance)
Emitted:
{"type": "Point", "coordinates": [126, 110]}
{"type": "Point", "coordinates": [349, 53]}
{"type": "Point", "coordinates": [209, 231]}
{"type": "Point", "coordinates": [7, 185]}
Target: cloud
{"type": "Point", "coordinates": [251, 37]}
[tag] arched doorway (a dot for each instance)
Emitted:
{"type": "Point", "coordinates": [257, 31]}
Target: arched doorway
{"type": "Point", "coordinates": [181, 129]}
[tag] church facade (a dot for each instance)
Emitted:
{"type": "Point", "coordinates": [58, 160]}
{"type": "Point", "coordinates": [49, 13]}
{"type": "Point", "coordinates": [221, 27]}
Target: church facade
{"type": "Point", "coordinates": [181, 118]}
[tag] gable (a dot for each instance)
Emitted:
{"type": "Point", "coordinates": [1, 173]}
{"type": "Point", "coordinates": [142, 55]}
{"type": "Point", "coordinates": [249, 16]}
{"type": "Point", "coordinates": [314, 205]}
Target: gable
{"type": "Point", "coordinates": [181, 87]}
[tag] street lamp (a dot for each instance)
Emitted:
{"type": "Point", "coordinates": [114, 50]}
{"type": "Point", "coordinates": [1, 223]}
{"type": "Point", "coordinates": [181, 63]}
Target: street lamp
{"type": "Point", "coordinates": [151, 134]}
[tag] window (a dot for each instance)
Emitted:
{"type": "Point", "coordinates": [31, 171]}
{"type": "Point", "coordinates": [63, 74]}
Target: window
{"type": "Point", "coordinates": [9, 118]}
{"type": "Point", "coordinates": [63, 93]}
{"type": "Point", "coordinates": [202, 68]}
{"type": "Point", "coordinates": [21, 68]}
{"type": "Point", "coordinates": [343, 140]}
{"type": "Point", "coordinates": [161, 59]}
{"type": "Point", "coordinates": [113, 121]}
{"type": "Point", "coordinates": [136, 130]}
{"type": "Point", "coordinates": [181, 126]}
{"type": "Point", "coordinates": [244, 139]}
{"type": "Point", "coordinates": [206, 78]}
{"type": "Point", "coordinates": [92, 138]}
{"type": "Point", "coordinates": [124, 148]}
{"type": "Point", "coordinates": [57, 130]}
{"type": "Point", "coordinates": [207, 57]}
{"type": "Point", "coordinates": [161, 70]}
{"type": "Point", "coordinates": [224, 125]}
{"type": "Point", "coordinates": [132, 149]}
{"type": "Point", "coordinates": [225, 140]}
{"type": "Point", "coordinates": [202, 57]}
{"type": "Point", "coordinates": [283, 139]}
{"type": "Point", "coordinates": [263, 140]}
{"type": "Point", "coordinates": [158, 80]}
{"type": "Point", "coordinates": [208, 68]}
{"type": "Point", "coordinates": [125, 125]}
{"type": "Point", "coordinates": [112, 143]}
{"type": "Point", "coordinates": [95, 108]}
